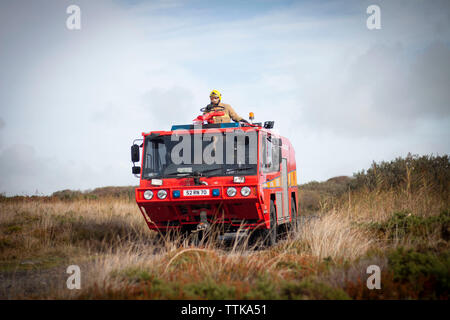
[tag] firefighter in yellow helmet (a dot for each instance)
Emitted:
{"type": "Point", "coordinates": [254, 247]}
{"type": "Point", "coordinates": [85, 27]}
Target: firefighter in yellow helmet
{"type": "Point", "coordinates": [230, 114]}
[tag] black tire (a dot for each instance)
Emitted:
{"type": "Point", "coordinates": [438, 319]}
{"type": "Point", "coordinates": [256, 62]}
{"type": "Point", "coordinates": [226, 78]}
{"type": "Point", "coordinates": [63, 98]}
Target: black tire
{"type": "Point", "coordinates": [294, 217]}
{"type": "Point", "coordinates": [271, 234]}
{"type": "Point", "coordinates": [266, 237]}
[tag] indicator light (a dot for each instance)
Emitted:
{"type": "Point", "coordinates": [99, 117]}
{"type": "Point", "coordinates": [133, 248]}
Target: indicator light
{"type": "Point", "coordinates": [176, 193]}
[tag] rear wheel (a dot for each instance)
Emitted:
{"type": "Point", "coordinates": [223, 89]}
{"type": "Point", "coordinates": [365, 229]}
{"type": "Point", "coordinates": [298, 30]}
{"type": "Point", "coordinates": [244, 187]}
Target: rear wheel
{"type": "Point", "coordinates": [294, 217]}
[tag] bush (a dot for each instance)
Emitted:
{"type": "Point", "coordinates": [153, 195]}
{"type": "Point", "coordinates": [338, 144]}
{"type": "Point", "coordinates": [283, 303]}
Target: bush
{"type": "Point", "coordinates": [427, 272]}
{"type": "Point", "coordinates": [404, 223]}
{"type": "Point", "coordinates": [311, 289]}
{"type": "Point", "coordinates": [313, 194]}
{"type": "Point", "coordinates": [67, 195]}
{"type": "Point", "coordinates": [332, 187]}
{"type": "Point", "coordinates": [115, 192]}
{"type": "Point", "coordinates": [412, 173]}
{"type": "Point", "coordinates": [210, 290]}
{"type": "Point", "coordinates": [98, 193]}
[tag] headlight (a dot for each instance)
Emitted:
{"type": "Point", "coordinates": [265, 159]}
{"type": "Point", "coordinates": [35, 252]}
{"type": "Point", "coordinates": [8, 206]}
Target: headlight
{"type": "Point", "coordinates": [245, 191]}
{"type": "Point", "coordinates": [231, 191]}
{"type": "Point", "coordinates": [148, 194]}
{"type": "Point", "coordinates": [162, 194]}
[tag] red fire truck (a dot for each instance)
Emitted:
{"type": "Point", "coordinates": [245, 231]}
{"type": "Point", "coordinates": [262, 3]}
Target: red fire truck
{"type": "Point", "coordinates": [241, 176]}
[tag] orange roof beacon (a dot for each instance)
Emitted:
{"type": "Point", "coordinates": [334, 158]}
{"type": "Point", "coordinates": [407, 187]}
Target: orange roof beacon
{"type": "Point", "coordinates": [239, 177]}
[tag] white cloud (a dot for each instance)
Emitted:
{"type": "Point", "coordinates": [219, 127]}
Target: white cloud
{"type": "Point", "coordinates": [341, 93]}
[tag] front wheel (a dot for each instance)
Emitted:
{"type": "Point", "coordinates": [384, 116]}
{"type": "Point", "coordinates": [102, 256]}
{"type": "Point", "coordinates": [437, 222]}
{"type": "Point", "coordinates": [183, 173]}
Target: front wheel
{"type": "Point", "coordinates": [267, 237]}
{"type": "Point", "coordinates": [271, 234]}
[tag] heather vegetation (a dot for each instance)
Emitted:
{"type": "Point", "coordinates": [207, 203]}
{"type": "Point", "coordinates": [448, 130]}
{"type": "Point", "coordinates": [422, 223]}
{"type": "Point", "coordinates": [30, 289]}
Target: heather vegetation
{"type": "Point", "coordinates": [395, 215]}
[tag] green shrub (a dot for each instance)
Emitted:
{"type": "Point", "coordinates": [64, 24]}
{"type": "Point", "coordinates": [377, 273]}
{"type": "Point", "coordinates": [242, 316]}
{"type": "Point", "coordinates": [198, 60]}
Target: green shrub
{"type": "Point", "coordinates": [263, 289]}
{"type": "Point", "coordinates": [134, 274]}
{"type": "Point", "coordinates": [404, 223]}
{"type": "Point", "coordinates": [68, 195]}
{"type": "Point", "coordinates": [427, 272]}
{"type": "Point", "coordinates": [332, 187]}
{"type": "Point", "coordinates": [313, 194]}
{"type": "Point", "coordinates": [126, 192]}
{"type": "Point", "coordinates": [312, 290]}
{"type": "Point", "coordinates": [210, 290]}
{"type": "Point", "coordinates": [411, 173]}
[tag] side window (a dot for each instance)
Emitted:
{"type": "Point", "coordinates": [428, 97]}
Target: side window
{"type": "Point", "coordinates": [269, 156]}
{"type": "Point", "coordinates": [155, 157]}
{"type": "Point", "coordinates": [269, 159]}
{"type": "Point", "coordinates": [276, 154]}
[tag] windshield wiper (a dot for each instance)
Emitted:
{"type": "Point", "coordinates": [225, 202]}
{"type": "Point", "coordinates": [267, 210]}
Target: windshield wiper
{"type": "Point", "coordinates": [210, 170]}
{"type": "Point", "coordinates": [199, 173]}
{"type": "Point", "coordinates": [238, 169]}
{"type": "Point", "coordinates": [196, 173]}
{"type": "Point", "coordinates": [176, 174]}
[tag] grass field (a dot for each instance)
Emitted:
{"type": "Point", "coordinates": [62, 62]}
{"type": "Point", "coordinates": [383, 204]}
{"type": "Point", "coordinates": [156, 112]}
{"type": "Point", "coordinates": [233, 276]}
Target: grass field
{"type": "Point", "coordinates": [394, 215]}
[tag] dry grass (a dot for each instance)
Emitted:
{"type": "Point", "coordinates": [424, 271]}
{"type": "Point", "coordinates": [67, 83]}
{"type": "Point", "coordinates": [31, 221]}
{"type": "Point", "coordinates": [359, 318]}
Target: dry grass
{"type": "Point", "coordinates": [39, 230]}
{"type": "Point", "coordinates": [120, 258]}
{"type": "Point", "coordinates": [111, 242]}
{"type": "Point", "coordinates": [378, 205]}
{"type": "Point", "coordinates": [334, 236]}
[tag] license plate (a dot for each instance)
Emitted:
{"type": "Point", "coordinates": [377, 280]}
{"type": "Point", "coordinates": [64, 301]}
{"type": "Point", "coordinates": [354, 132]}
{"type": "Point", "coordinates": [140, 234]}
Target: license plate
{"type": "Point", "coordinates": [196, 192]}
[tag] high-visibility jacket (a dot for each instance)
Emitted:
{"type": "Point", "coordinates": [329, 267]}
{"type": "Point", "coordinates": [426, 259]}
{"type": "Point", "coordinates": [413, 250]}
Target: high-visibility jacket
{"type": "Point", "coordinates": [229, 113]}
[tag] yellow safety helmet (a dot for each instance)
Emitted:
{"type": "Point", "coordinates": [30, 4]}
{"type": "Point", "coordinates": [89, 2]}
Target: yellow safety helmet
{"type": "Point", "coordinates": [216, 93]}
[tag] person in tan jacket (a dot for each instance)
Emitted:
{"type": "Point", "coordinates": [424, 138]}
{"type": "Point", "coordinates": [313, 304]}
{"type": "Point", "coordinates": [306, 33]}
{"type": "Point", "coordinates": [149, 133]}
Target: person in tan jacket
{"type": "Point", "coordinates": [230, 114]}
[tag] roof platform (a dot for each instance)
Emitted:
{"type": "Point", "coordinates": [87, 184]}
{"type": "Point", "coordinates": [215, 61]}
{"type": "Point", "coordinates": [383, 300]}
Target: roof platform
{"type": "Point", "coordinates": [206, 126]}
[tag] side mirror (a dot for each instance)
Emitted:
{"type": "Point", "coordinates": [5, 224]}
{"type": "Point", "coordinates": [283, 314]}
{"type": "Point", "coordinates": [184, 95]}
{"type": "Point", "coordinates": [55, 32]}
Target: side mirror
{"type": "Point", "coordinates": [268, 124]}
{"type": "Point", "coordinates": [136, 170]}
{"type": "Point", "coordinates": [135, 153]}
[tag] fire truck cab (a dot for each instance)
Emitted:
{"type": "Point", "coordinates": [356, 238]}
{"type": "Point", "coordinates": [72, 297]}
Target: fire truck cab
{"type": "Point", "coordinates": [236, 175]}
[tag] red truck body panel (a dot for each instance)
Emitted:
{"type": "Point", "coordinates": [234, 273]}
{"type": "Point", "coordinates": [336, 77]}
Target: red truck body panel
{"type": "Point", "coordinates": [248, 212]}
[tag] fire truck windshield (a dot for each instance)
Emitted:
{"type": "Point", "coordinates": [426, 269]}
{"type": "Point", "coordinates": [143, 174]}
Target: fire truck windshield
{"type": "Point", "coordinates": [218, 154]}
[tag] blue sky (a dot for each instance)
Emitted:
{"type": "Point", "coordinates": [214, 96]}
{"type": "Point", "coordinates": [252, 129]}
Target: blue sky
{"type": "Point", "coordinates": [71, 102]}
